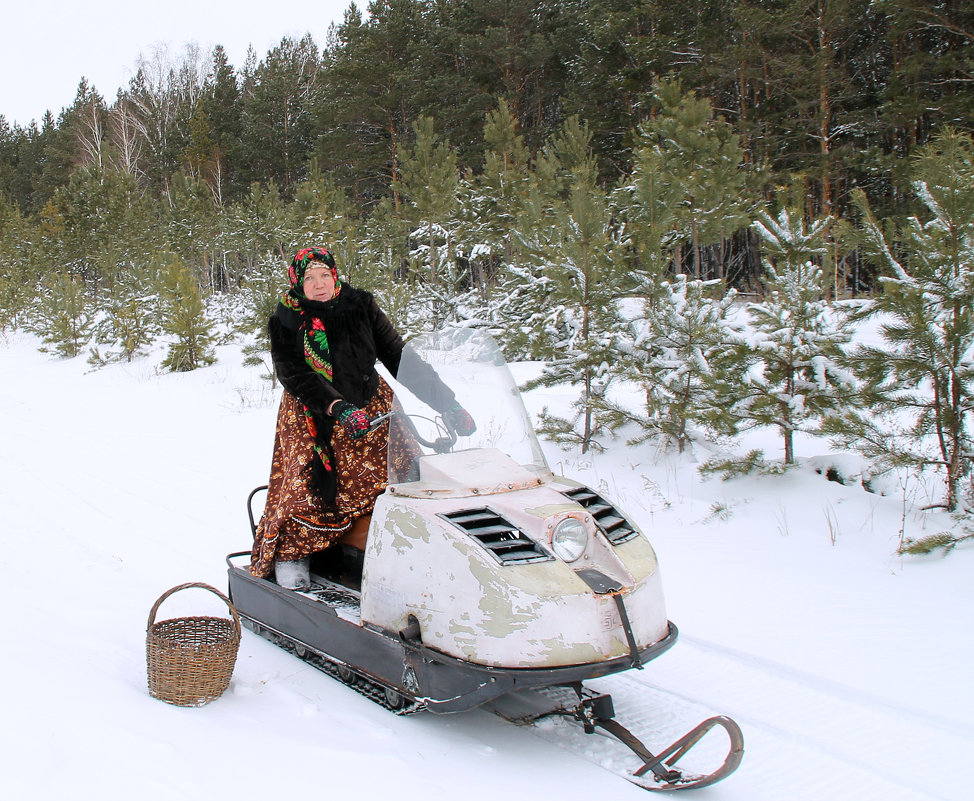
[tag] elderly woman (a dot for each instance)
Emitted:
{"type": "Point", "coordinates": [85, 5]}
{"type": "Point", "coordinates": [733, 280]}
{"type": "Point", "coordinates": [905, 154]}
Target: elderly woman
{"type": "Point", "coordinates": [329, 465]}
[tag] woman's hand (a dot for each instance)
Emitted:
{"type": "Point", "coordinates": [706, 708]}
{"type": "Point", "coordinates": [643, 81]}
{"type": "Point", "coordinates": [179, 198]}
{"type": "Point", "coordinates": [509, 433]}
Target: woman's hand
{"type": "Point", "coordinates": [351, 418]}
{"type": "Point", "coordinates": [460, 421]}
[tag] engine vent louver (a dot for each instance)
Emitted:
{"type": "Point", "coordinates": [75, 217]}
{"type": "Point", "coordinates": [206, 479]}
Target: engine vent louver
{"type": "Point", "coordinates": [505, 541]}
{"type": "Point", "coordinates": [615, 527]}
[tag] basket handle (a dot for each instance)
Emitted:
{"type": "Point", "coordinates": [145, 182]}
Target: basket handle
{"type": "Point", "coordinates": [202, 586]}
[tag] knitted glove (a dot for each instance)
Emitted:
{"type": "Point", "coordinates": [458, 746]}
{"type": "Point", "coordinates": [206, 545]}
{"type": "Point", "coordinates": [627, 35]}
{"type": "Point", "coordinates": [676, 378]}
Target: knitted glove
{"type": "Point", "coordinates": [459, 420]}
{"type": "Point", "coordinates": [352, 419]}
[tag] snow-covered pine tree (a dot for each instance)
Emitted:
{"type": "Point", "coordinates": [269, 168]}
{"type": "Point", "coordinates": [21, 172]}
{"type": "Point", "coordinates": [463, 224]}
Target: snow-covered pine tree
{"type": "Point", "coordinates": [578, 253]}
{"type": "Point", "coordinates": [429, 183]}
{"type": "Point", "coordinates": [194, 229]}
{"type": "Point", "coordinates": [183, 317]}
{"type": "Point", "coordinates": [63, 315]}
{"type": "Point", "coordinates": [493, 201]}
{"type": "Point", "coordinates": [918, 393]}
{"type": "Point", "coordinates": [650, 229]}
{"type": "Point", "coordinates": [520, 304]}
{"type": "Point", "coordinates": [690, 185]}
{"type": "Point", "coordinates": [322, 214]}
{"type": "Point", "coordinates": [258, 223]}
{"type": "Point", "coordinates": [16, 279]}
{"type": "Point", "coordinates": [679, 353]}
{"type": "Point", "coordinates": [384, 270]}
{"type": "Point", "coordinates": [126, 325]}
{"type": "Point", "coordinates": [790, 364]}
{"type": "Point", "coordinates": [260, 296]}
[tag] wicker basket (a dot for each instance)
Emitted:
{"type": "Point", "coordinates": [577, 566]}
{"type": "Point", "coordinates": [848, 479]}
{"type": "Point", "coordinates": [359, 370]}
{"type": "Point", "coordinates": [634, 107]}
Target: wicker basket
{"type": "Point", "coordinates": [190, 659]}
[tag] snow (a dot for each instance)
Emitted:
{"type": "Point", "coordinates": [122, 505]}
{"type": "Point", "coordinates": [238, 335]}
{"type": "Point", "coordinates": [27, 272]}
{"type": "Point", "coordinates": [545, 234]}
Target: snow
{"type": "Point", "coordinates": [847, 666]}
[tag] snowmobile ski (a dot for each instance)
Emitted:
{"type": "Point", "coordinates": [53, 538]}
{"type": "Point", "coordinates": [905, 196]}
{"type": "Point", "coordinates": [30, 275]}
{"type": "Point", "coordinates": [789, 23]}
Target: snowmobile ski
{"type": "Point", "coordinates": [593, 710]}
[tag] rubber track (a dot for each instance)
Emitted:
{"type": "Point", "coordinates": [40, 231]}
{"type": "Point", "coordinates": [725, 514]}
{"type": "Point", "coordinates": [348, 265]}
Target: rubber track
{"type": "Point", "coordinates": [364, 685]}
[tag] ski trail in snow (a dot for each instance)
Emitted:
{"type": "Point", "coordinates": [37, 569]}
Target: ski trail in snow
{"type": "Point", "coordinates": [961, 728]}
{"type": "Point", "coordinates": [798, 728]}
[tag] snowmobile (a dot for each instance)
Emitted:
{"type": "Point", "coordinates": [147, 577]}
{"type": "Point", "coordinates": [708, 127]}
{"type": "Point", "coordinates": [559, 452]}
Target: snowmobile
{"type": "Point", "coordinates": [487, 581]}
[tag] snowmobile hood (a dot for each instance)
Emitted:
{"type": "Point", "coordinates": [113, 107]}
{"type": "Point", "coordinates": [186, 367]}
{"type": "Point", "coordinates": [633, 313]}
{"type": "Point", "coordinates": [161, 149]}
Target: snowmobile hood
{"type": "Point", "coordinates": [481, 471]}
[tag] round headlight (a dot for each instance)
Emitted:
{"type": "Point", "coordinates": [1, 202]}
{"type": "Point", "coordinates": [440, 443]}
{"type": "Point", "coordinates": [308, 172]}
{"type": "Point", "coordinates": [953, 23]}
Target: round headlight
{"type": "Point", "coordinates": [569, 539]}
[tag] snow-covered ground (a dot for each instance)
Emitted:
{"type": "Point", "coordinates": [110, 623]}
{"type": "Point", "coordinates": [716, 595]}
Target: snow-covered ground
{"type": "Point", "coordinates": [847, 667]}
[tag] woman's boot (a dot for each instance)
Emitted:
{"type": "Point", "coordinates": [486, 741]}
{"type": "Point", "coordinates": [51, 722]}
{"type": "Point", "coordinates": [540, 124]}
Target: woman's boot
{"type": "Point", "coordinates": [293, 575]}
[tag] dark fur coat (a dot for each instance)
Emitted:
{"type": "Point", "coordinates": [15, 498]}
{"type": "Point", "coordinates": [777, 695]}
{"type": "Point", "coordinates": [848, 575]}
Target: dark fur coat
{"type": "Point", "coordinates": [359, 334]}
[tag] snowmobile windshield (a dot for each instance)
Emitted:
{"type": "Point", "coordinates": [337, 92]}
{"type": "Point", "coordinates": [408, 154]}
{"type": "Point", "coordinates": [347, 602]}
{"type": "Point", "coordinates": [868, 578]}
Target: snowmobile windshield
{"type": "Point", "coordinates": [425, 448]}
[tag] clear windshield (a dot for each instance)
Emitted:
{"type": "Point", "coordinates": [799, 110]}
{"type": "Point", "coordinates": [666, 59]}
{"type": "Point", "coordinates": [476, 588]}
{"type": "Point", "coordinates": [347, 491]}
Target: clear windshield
{"type": "Point", "coordinates": [469, 364]}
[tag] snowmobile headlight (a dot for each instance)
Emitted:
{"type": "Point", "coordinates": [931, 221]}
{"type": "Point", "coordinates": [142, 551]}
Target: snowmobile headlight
{"type": "Point", "coordinates": [569, 539]}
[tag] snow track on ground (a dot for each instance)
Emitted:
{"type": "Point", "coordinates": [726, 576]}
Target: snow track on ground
{"type": "Point", "coordinates": [798, 728]}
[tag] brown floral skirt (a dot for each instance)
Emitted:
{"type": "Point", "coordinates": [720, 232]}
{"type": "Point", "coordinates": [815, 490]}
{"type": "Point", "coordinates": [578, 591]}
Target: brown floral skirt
{"type": "Point", "coordinates": [294, 523]}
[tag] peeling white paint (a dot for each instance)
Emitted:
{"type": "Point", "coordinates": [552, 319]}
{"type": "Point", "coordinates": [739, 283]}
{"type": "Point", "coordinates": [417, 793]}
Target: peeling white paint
{"type": "Point", "coordinates": [539, 614]}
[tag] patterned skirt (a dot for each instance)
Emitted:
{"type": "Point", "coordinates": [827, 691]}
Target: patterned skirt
{"type": "Point", "coordinates": [294, 523]}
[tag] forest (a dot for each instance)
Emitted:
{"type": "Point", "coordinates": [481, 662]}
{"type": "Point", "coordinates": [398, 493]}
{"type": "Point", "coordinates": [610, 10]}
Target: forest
{"type": "Point", "coordinates": [599, 182]}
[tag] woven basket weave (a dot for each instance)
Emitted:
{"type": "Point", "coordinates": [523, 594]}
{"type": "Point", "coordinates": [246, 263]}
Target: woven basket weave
{"type": "Point", "coordinates": [190, 659]}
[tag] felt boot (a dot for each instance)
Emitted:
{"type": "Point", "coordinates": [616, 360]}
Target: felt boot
{"type": "Point", "coordinates": [293, 575]}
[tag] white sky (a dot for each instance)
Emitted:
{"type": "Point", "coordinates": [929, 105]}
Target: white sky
{"type": "Point", "coordinates": [46, 47]}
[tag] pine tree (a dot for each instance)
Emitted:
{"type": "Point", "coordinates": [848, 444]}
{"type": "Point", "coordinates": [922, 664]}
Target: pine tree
{"type": "Point", "coordinates": [429, 184]}
{"type": "Point", "coordinates": [195, 230]}
{"type": "Point", "coordinates": [127, 323]}
{"type": "Point", "coordinates": [258, 224]}
{"type": "Point", "coordinates": [804, 70]}
{"type": "Point", "coordinates": [323, 214]}
{"type": "Point", "coordinates": [918, 393]}
{"type": "Point", "coordinates": [515, 50]}
{"type": "Point", "coordinates": [679, 353]}
{"type": "Point", "coordinates": [100, 218]}
{"type": "Point", "coordinates": [16, 278]}
{"type": "Point", "coordinates": [261, 294]}
{"type": "Point", "coordinates": [577, 263]}
{"type": "Point", "coordinates": [372, 87]}
{"type": "Point", "coordinates": [183, 317]}
{"type": "Point", "coordinates": [646, 205]}
{"type": "Point", "coordinates": [222, 106]}
{"type": "Point", "coordinates": [63, 317]}
{"type": "Point", "coordinates": [494, 200]}
{"type": "Point", "coordinates": [278, 110]}
{"type": "Point", "coordinates": [696, 163]}
{"type": "Point", "coordinates": [794, 380]}
{"type": "Point", "coordinates": [384, 270]}
{"type": "Point", "coordinates": [613, 68]}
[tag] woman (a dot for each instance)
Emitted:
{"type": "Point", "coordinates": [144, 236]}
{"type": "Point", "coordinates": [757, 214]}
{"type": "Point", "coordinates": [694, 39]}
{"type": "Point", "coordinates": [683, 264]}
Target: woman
{"type": "Point", "coordinates": [328, 465]}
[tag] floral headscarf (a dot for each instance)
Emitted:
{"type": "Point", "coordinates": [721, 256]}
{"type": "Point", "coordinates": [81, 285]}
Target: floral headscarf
{"type": "Point", "coordinates": [302, 260]}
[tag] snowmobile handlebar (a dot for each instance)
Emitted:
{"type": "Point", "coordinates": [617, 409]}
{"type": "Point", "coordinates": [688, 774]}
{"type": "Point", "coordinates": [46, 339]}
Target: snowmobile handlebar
{"type": "Point", "coordinates": [442, 444]}
{"type": "Point", "coordinates": [378, 420]}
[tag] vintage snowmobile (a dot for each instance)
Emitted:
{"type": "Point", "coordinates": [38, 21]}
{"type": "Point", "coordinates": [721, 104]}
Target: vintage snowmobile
{"type": "Point", "coordinates": [487, 581]}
